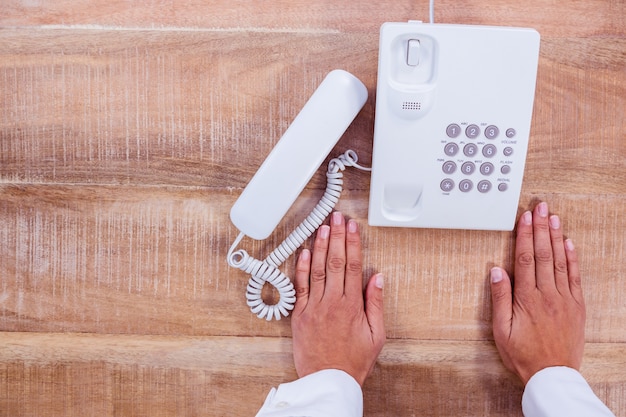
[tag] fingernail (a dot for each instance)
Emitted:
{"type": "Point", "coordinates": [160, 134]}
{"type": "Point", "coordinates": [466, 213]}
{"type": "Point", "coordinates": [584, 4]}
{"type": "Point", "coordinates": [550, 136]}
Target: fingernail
{"type": "Point", "coordinates": [352, 226]}
{"type": "Point", "coordinates": [543, 209]}
{"type": "Point", "coordinates": [555, 222]}
{"type": "Point", "coordinates": [380, 281]}
{"type": "Point", "coordinates": [324, 231]}
{"type": "Point", "coordinates": [496, 275]}
{"type": "Point", "coordinates": [527, 218]}
{"type": "Point", "coordinates": [337, 218]}
{"type": "Point", "coordinates": [569, 245]}
{"type": "Point", "coordinates": [305, 255]}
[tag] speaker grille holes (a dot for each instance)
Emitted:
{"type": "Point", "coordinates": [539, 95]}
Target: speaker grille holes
{"type": "Point", "coordinates": [411, 105]}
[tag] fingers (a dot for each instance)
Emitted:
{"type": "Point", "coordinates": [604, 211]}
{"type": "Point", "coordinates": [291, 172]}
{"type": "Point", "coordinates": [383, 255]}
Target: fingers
{"type": "Point", "coordinates": [573, 270]}
{"type": "Point", "coordinates": [374, 308]}
{"type": "Point", "coordinates": [525, 254]}
{"type": "Point", "coordinates": [301, 281]}
{"type": "Point", "coordinates": [336, 260]}
{"type": "Point", "coordinates": [502, 301]}
{"type": "Point", "coordinates": [330, 253]}
{"type": "Point", "coordinates": [318, 264]}
{"type": "Point", "coordinates": [354, 262]}
{"type": "Point", "coordinates": [561, 277]}
{"type": "Point", "coordinates": [544, 260]}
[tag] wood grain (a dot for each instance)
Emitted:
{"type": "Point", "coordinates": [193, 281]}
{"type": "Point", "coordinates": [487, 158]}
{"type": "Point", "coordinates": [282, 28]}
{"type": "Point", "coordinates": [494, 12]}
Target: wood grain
{"type": "Point", "coordinates": [128, 129]}
{"type": "Point", "coordinates": [78, 374]}
{"type": "Point", "coordinates": [82, 106]}
{"type": "Point", "coordinates": [152, 260]}
{"type": "Point", "coordinates": [588, 18]}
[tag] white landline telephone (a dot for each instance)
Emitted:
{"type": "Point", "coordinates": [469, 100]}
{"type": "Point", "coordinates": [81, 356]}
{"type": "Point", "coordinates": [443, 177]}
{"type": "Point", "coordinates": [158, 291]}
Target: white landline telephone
{"type": "Point", "coordinates": [453, 111]}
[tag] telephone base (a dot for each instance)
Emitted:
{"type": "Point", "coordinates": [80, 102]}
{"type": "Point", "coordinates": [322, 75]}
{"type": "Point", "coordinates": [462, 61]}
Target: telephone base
{"type": "Point", "coordinates": [453, 112]}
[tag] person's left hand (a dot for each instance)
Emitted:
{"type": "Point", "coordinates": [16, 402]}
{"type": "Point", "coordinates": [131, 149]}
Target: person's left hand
{"type": "Point", "coordinates": [334, 324]}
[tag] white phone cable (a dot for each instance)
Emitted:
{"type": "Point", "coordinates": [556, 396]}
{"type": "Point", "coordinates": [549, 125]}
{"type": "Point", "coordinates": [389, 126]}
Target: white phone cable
{"type": "Point", "coordinates": [431, 11]}
{"type": "Point", "coordinates": [267, 270]}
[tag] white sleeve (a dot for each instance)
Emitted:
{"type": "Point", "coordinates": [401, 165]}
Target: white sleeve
{"type": "Point", "coordinates": [326, 393]}
{"type": "Point", "coordinates": [561, 391]}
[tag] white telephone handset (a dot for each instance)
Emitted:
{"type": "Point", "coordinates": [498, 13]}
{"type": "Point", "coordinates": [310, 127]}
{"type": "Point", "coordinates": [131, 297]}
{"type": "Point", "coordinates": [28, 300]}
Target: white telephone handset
{"type": "Point", "coordinates": [282, 177]}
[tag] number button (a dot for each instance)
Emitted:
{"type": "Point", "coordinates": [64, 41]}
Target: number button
{"type": "Point", "coordinates": [489, 150]}
{"type": "Point", "coordinates": [449, 167]}
{"type": "Point", "coordinates": [451, 149]}
{"type": "Point", "coordinates": [492, 132]}
{"type": "Point", "coordinates": [472, 131]}
{"type": "Point", "coordinates": [453, 130]}
{"type": "Point", "coordinates": [468, 168]}
{"type": "Point", "coordinates": [470, 149]}
{"type": "Point", "coordinates": [466, 186]}
{"type": "Point", "coordinates": [486, 168]}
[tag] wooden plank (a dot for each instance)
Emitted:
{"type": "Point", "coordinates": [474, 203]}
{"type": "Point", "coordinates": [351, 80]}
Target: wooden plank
{"type": "Point", "coordinates": [83, 374]}
{"type": "Point", "coordinates": [154, 263]}
{"type": "Point", "coordinates": [158, 107]}
{"type": "Point", "coordinates": [205, 108]}
{"type": "Point", "coordinates": [467, 378]}
{"type": "Point", "coordinates": [151, 260]}
{"type": "Point", "coordinates": [588, 18]}
{"type": "Point", "coordinates": [65, 374]}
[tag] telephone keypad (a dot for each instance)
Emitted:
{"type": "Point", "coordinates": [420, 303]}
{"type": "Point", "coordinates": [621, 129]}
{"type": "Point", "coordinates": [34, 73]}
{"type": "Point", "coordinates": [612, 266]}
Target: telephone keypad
{"type": "Point", "coordinates": [474, 149]}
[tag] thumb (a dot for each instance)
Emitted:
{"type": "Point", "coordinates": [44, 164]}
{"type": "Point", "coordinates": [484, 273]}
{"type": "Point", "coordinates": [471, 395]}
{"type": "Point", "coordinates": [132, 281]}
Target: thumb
{"type": "Point", "coordinates": [502, 301]}
{"type": "Point", "coordinates": [374, 308]}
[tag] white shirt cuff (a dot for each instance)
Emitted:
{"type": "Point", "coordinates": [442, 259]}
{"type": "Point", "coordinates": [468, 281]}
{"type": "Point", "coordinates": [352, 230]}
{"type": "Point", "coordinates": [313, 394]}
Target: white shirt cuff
{"type": "Point", "coordinates": [326, 393]}
{"type": "Point", "coordinates": [561, 391]}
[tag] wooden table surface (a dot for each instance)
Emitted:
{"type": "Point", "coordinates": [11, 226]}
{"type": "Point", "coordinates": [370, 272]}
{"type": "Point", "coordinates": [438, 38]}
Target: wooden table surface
{"type": "Point", "coordinates": [127, 131]}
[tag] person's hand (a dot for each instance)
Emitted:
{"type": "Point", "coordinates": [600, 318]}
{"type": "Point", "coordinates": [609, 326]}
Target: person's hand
{"type": "Point", "coordinates": [541, 323]}
{"type": "Point", "coordinates": [334, 324]}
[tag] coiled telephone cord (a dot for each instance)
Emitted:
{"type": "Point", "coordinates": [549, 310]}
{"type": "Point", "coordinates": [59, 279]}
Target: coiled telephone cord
{"type": "Point", "coordinates": [267, 271]}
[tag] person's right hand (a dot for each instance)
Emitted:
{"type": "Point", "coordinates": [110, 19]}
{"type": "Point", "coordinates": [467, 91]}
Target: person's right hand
{"type": "Point", "coordinates": [335, 324]}
{"type": "Point", "coordinates": [539, 321]}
